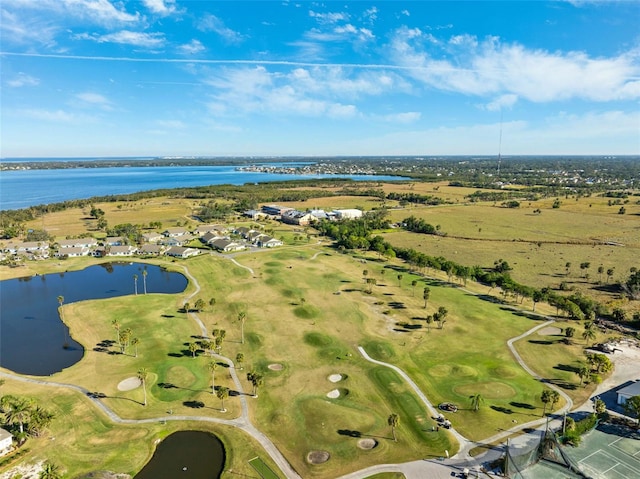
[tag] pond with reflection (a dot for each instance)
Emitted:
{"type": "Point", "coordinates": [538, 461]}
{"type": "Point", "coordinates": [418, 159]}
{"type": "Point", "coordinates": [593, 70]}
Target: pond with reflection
{"type": "Point", "coordinates": [34, 340]}
{"type": "Point", "coordinates": [188, 455]}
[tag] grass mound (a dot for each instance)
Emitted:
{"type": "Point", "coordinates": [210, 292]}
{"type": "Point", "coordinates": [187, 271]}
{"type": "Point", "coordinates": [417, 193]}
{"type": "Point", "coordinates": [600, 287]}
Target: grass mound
{"type": "Point", "coordinates": [318, 340]}
{"type": "Point", "coordinates": [306, 312]}
{"type": "Point", "coordinates": [456, 370]}
{"type": "Point", "coordinates": [489, 390]}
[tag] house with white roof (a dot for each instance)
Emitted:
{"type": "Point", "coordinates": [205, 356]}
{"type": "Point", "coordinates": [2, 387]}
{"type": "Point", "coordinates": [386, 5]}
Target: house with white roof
{"type": "Point", "coordinates": [628, 392]}
{"type": "Point", "coordinates": [6, 442]}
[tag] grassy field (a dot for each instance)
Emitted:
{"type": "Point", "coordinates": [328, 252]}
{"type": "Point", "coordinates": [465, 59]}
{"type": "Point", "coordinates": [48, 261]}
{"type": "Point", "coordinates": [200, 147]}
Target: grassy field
{"type": "Point", "coordinates": [308, 311]}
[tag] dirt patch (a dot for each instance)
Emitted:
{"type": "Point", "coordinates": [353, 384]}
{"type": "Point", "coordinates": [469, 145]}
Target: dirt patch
{"type": "Point", "coordinates": [318, 457]}
{"type": "Point", "coordinates": [550, 331]}
{"type": "Point", "coordinates": [334, 378]}
{"type": "Point", "coordinates": [367, 443]}
{"type": "Point", "coordinates": [276, 367]}
{"type": "Point", "coordinates": [129, 384]}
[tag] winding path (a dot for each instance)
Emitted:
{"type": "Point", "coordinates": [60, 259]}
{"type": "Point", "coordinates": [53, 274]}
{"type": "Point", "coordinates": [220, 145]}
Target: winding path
{"type": "Point", "coordinates": [414, 469]}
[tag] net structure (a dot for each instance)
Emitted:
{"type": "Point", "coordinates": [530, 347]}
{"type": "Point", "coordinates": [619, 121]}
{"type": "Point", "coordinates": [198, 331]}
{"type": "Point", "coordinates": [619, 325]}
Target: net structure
{"type": "Point", "coordinates": [546, 449]}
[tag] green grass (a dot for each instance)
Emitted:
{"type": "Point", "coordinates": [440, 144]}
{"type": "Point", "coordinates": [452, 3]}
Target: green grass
{"type": "Point", "coordinates": [262, 469]}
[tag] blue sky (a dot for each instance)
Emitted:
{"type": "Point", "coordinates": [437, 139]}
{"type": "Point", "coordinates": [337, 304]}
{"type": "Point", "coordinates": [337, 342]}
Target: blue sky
{"type": "Point", "coordinates": [182, 78]}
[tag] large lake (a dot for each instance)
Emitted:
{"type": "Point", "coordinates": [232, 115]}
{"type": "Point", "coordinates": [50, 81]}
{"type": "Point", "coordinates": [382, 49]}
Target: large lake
{"type": "Point", "coordinates": [34, 340]}
{"type": "Point", "coordinates": [24, 188]}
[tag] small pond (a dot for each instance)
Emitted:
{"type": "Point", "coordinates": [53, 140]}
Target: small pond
{"type": "Point", "coordinates": [188, 455]}
{"type": "Point", "coordinates": [34, 340]}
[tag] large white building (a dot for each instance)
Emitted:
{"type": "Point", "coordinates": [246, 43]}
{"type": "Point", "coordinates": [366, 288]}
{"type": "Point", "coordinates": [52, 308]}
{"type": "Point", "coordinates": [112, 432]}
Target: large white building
{"type": "Point", "coordinates": [347, 214]}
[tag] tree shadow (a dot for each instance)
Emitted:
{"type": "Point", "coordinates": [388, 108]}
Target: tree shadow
{"type": "Point", "coordinates": [397, 305]}
{"type": "Point", "coordinates": [501, 409]}
{"type": "Point", "coordinates": [539, 341]}
{"type": "Point", "coordinates": [522, 405]}
{"type": "Point", "coordinates": [349, 432]}
{"type": "Point", "coordinates": [566, 367]}
{"type": "Point", "coordinates": [167, 386]}
{"type": "Point", "coordinates": [409, 326]}
{"type": "Point", "coordinates": [175, 355]}
{"type": "Point", "coordinates": [167, 316]}
{"type": "Point", "coordinates": [193, 404]}
{"type": "Point", "coordinates": [563, 384]}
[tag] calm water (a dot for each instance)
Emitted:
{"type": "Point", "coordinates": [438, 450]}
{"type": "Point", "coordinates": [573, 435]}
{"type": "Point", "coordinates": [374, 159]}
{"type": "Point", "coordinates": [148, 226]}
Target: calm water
{"type": "Point", "coordinates": [33, 336]}
{"type": "Point", "coordinates": [24, 188]}
{"type": "Point", "coordinates": [186, 455]}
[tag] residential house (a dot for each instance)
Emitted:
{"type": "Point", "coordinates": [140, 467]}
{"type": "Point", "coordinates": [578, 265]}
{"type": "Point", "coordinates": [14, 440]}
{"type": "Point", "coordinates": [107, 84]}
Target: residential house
{"type": "Point", "coordinates": [627, 392]}
{"type": "Point", "coordinates": [180, 252]}
{"type": "Point", "coordinates": [265, 241]}
{"type": "Point", "coordinates": [150, 250]}
{"type": "Point", "coordinates": [73, 251]}
{"type": "Point", "coordinates": [175, 232]}
{"type": "Point", "coordinates": [35, 248]}
{"type": "Point", "coordinates": [151, 237]}
{"type": "Point", "coordinates": [242, 231]}
{"type": "Point", "coordinates": [211, 236]}
{"type": "Point", "coordinates": [6, 442]}
{"type": "Point", "coordinates": [203, 229]}
{"type": "Point", "coordinates": [227, 245]}
{"type": "Point", "coordinates": [122, 250]}
{"type": "Point", "coordinates": [78, 243]}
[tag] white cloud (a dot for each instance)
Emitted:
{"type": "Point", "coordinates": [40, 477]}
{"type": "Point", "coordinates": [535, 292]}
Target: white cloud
{"type": "Point", "coordinates": [489, 68]}
{"type": "Point", "coordinates": [102, 11]}
{"type": "Point", "coordinates": [211, 23]}
{"type": "Point", "coordinates": [171, 124]}
{"type": "Point", "coordinates": [126, 37]}
{"type": "Point", "coordinates": [370, 15]}
{"type": "Point", "coordinates": [405, 13]}
{"type": "Point", "coordinates": [58, 116]}
{"type": "Point", "coordinates": [330, 17]}
{"type": "Point", "coordinates": [161, 7]}
{"type": "Point", "coordinates": [403, 118]}
{"type": "Point", "coordinates": [94, 100]}
{"type": "Point", "coordinates": [502, 102]}
{"type": "Point", "coordinates": [22, 79]}
{"type": "Point", "coordinates": [191, 48]}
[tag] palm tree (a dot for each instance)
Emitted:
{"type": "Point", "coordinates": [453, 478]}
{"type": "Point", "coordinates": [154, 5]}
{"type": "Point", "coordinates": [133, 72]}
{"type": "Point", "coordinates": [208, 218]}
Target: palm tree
{"type": "Point", "coordinates": [365, 273]}
{"type": "Point", "coordinates": [414, 283]}
{"type": "Point", "coordinates": [476, 401]}
{"type": "Point", "coordinates": [135, 283]}
{"type": "Point", "coordinates": [393, 420]}
{"type": "Point", "coordinates": [187, 308]}
{"type": "Point", "coordinates": [144, 279]}
{"type": "Point", "coordinates": [426, 292]}
{"type": "Point", "coordinates": [212, 366]}
{"type": "Point", "coordinates": [241, 318]}
{"type": "Point", "coordinates": [50, 471]}
{"type": "Point", "coordinates": [199, 306]}
{"type": "Point", "coordinates": [549, 397]}
{"type": "Point", "coordinates": [256, 380]}
{"type": "Point", "coordinates": [239, 360]}
{"type": "Point", "coordinates": [134, 343]}
{"type": "Point", "coordinates": [588, 335]}
{"type": "Point", "coordinates": [193, 347]}
{"type": "Point", "coordinates": [399, 281]}
{"type": "Point", "coordinates": [222, 394]}
{"type": "Point", "coordinates": [16, 410]}
{"type": "Point", "coordinates": [583, 373]}
{"type": "Point", "coordinates": [116, 325]}
{"type": "Point", "coordinates": [142, 376]}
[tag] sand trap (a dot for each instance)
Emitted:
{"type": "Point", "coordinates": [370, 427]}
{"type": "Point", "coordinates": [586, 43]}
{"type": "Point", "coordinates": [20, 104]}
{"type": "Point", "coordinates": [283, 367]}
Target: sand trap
{"type": "Point", "coordinates": [129, 384]}
{"type": "Point", "coordinates": [367, 443]}
{"type": "Point", "coordinates": [317, 457]}
{"type": "Point", "coordinates": [550, 331]}
{"type": "Point", "coordinates": [334, 378]}
{"type": "Point", "coordinates": [333, 394]}
{"type": "Point", "coordinates": [276, 367]}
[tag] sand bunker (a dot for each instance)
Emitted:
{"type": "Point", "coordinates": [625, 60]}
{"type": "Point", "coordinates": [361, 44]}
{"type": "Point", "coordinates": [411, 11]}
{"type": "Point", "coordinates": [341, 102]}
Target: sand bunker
{"type": "Point", "coordinates": [334, 378]}
{"type": "Point", "coordinates": [333, 394]}
{"type": "Point", "coordinates": [367, 443]}
{"type": "Point", "coordinates": [276, 367]}
{"type": "Point", "coordinates": [550, 331]}
{"type": "Point", "coordinates": [129, 384]}
{"type": "Point", "coordinates": [317, 457]}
